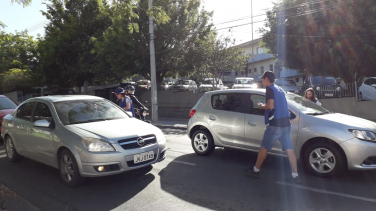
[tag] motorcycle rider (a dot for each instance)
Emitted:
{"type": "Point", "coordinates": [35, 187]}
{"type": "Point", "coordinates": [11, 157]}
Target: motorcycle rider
{"type": "Point", "coordinates": [130, 92]}
{"type": "Point", "coordinates": [125, 101]}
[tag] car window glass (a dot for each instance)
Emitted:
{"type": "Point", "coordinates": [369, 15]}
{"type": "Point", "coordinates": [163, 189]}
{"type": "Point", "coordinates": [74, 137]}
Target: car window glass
{"type": "Point", "coordinates": [253, 107]}
{"type": "Point", "coordinates": [42, 112]}
{"type": "Point", "coordinates": [6, 103]}
{"type": "Point", "coordinates": [24, 111]}
{"type": "Point", "coordinates": [227, 102]}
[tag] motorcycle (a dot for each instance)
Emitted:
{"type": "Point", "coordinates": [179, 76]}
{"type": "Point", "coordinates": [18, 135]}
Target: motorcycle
{"type": "Point", "coordinates": [141, 113]}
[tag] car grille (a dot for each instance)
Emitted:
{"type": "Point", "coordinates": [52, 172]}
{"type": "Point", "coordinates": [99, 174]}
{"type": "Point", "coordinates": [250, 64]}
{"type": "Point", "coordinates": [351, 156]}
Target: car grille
{"type": "Point", "coordinates": [132, 143]}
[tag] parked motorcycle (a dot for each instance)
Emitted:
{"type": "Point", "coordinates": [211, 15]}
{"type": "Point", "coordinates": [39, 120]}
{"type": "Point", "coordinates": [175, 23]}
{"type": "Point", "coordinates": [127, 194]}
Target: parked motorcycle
{"type": "Point", "coordinates": [141, 113]}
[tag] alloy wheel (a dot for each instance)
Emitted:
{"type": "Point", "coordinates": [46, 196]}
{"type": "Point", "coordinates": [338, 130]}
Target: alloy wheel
{"type": "Point", "coordinates": [10, 148]}
{"type": "Point", "coordinates": [322, 160]}
{"type": "Point", "coordinates": [201, 142]}
{"type": "Point", "coordinates": [67, 168]}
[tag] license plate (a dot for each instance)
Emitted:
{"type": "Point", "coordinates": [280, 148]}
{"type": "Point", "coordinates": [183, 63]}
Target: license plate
{"type": "Point", "coordinates": [138, 158]}
{"type": "Point", "coordinates": [328, 95]}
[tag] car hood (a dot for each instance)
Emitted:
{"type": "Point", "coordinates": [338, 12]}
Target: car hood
{"type": "Point", "coordinates": [351, 121]}
{"type": "Point", "coordinates": [5, 112]}
{"type": "Point", "coordinates": [115, 129]}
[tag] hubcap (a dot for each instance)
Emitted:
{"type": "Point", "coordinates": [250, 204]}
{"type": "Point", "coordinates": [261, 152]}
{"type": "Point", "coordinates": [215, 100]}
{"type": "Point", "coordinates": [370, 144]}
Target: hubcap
{"type": "Point", "coordinates": [322, 160]}
{"type": "Point", "coordinates": [10, 148]}
{"type": "Point", "coordinates": [201, 142]}
{"type": "Point", "coordinates": [66, 168]}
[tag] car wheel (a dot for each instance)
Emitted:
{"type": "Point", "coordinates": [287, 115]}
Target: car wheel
{"type": "Point", "coordinates": [68, 168]}
{"type": "Point", "coordinates": [324, 160]}
{"type": "Point", "coordinates": [10, 150]}
{"type": "Point", "coordinates": [202, 142]}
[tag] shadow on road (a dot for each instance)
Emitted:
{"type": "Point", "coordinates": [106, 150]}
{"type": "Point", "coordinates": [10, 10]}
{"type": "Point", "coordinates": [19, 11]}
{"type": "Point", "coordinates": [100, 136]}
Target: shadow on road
{"type": "Point", "coordinates": [40, 184]}
{"type": "Point", "coordinates": [218, 182]}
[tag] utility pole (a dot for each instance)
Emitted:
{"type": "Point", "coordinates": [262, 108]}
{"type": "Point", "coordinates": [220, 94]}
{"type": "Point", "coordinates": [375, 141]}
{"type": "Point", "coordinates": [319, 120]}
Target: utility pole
{"type": "Point", "coordinates": [253, 56]}
{"type": "Point", "coordinates": [154, 101]}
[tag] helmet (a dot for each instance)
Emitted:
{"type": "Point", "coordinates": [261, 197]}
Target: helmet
{"type": "Point", "coordinates": [130, 89]}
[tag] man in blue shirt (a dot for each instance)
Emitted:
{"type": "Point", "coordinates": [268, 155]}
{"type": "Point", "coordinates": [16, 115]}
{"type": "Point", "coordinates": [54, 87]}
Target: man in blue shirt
{"type": "Point", "coordinates": [277, 119]}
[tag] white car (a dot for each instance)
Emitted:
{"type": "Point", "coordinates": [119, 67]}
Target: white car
{"type": "Point", "coordinates": [367, 91]}
{"type": "Point", "coordinates": [209, 85]}
{"type": "Point", "coordinates": [166, 85]}
{"type": "Point", "coordinates": [287, 84]}
{"type": "Point", "coordinates": [241, 83]}
{"type": "Point", "coordinates": [185, 85]}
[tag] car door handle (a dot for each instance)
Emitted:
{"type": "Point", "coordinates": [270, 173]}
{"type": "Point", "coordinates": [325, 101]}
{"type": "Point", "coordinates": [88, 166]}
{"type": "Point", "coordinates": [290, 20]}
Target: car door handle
{"type": "Point", "coordinates": [252, 124]}
{"type": "Point", "coordinates": [212, 118]}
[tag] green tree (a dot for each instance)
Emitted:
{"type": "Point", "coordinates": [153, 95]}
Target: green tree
{"type": "Point", "coordinates": [18, 58]}
{"type": "Point", "coordinates": [66, 58]}
{"type": "Point", "coordinates": [330, 37]}
{"type": "Point", "coordinates": [124, 53]}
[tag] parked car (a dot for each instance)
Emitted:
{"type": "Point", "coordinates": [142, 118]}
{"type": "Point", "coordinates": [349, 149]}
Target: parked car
{"type": "Point", "coordinates": [165, 85]}
{"type": "Point", "coordinates": [326, 143]}
{"type": "Point", "coordinates": [325, 86]}
{"type": "Point", "coordinates": [367, 91]}
{"type": "Point", "coordinates": [185, 85]}
{"type": "Point", "coordinates": [209, 84]}
{"type": "Point", "coordinates": [7, 106]}
{"type": "Point", "coordinates": [82, 136]}
{"type": "Point", "coordinates": [144, 84]}
{"type": "Point", "coordinates": [287, 84]}
{"type": "Point", "coordinates": [241, 83]}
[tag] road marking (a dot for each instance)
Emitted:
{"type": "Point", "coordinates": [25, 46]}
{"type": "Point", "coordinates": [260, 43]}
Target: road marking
{"type": "Point", "coordinates": [182, 162]}
{"type": "Point", "coordinates": [328, 192]}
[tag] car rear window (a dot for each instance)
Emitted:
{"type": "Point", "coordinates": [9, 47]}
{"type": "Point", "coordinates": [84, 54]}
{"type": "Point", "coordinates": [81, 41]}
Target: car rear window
{"type": "Point", "coordinates": [6, 103]}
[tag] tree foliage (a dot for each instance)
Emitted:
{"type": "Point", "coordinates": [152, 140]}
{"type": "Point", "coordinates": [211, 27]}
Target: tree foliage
{"type": "Point", "coordinates": [18, 58]}
{"type": "Point", "coordinates": [329, 37]}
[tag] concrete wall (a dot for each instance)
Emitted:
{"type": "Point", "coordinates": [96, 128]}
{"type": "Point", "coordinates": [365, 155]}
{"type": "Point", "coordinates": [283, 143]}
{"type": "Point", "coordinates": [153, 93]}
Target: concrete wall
{"type": "Point", "coordinates": [348, 105]}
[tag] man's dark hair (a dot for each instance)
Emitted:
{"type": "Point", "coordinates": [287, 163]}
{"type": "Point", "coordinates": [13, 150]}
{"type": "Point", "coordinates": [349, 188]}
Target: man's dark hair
{"type": "Point", "coordinates": [270, 75]}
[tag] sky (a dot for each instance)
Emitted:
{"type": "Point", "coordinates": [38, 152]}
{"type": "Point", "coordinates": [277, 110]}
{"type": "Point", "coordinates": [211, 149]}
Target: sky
{"type": "Point", "coordinates": [19, 18]}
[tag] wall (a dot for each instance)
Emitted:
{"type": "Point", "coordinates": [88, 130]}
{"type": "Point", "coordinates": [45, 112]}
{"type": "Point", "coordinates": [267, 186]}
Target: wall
{"type": "Point", "coordinates": [16, 96]}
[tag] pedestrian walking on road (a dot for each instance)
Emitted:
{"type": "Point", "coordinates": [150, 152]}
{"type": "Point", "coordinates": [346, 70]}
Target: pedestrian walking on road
{"type": "Point", "coordinates": [277, 119]}
{"type": "Point", "coordinates": [311, 95]}
{"type": "Point", "coordinates": [125, 101]}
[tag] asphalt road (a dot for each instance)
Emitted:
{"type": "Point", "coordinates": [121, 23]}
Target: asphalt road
{"type": "Point", "coordinates": [186, 181]}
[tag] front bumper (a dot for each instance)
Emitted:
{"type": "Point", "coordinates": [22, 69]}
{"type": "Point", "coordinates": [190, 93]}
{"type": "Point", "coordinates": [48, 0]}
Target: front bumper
{"type": "Point", "coordinates": [119, 161]}
{"type": "Point", "coordinates": [358, 154]}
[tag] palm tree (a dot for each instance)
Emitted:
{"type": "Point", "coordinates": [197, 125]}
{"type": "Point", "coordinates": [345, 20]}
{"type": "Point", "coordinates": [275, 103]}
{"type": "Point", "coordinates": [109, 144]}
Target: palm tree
{"type": "Point", "coordinates": [22, 2]}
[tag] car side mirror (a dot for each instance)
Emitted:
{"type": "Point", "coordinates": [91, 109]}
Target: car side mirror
{"type": "Point", "coordinates": [374, 86]}
{"type": "Point", "coordinates": [42, 123]}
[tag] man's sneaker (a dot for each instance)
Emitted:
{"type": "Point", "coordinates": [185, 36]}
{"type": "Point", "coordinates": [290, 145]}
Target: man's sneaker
{"type": "Point", "coordinates": [293, 180]}
{"type": "Point", "coordinates": [251, 172]}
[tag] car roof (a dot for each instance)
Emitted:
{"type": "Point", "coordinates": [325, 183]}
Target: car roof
{"type": "Point", "coordinates": [59, 98]}
{"type": "Point", "coordinates": [250, 90]}
{"type": "Point", "coordinates": [3, 96]}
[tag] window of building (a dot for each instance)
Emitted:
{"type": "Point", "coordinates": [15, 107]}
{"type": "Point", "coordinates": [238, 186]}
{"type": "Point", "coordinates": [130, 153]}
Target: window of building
{"type": "Point", "coordinates": [242, 72]}
{"type": "Point", "coordinates": [260, 50]}
{"type": "Point", "coordinates": [296, 79]}
{"type": "Point", "coordinates": [236, 73]}
{"type": "Point", "coordinates": [262, 68]}
{"type": "Point", "coordinates": [271, 67]}
{"type": "Point", "coordinates": [255, 70]}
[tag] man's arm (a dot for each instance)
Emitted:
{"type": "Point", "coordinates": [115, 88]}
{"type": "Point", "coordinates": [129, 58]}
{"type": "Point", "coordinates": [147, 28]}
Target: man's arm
{"type": "Point", "coordinates": [268, 106]}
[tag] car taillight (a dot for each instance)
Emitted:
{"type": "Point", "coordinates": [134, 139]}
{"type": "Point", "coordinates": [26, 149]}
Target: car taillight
{"type": "Point", "coordinates": [192, 112]}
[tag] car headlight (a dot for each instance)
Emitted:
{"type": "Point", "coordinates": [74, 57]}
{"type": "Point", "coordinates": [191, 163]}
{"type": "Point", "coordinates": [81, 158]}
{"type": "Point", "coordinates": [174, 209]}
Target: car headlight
{"type": "Point", "coordinates": [338, 88]}
{"type": "Point", "coordinates": [97, 145]}
{"type": "Point", "coordinates": [364, 135]}
{"type": "Point", "coordinates": [317, 88]}
{"type": "Point", "coordinates": [144, 113]}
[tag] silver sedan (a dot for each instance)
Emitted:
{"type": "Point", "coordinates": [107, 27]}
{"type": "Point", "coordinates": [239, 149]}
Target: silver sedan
{"type": "Point", "coordinates": [82, 136]}
{"type": "Point", "coordinates": [327, 143]}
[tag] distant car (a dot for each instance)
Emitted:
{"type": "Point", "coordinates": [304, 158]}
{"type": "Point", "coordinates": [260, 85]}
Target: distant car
{"type": "Point", "coordinates": [324, 86]}
{"type": "Point", "coordinates": [82, 136]}
{"type": "Point", "coordinates": [209, 84]}
{"type": "Point", "coordinates": [7, 106]}
{"type": "Point", "coordinates": [367, 91]}
{"type": "Point", "coordinates": [144, 84]}
{"type": "Point", "coordinates": [185, 85]}
{"type": "Point", "coordinates": [165, 85]}
{"type": "Point", "coordinates": [241, 83]}
{"type": "Point", "coordinates": [327, 143]}
{"type": "Point", "coordinates": [287, 84]}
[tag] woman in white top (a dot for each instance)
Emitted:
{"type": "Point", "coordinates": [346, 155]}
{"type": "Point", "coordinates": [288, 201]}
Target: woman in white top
{"type": "Point", "coordinates": [311, 95]}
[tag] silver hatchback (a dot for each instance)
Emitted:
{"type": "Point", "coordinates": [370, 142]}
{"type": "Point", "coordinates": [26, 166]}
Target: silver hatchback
{"type": "Point", "coordinates": [82, 136]}
{"type": "Point", "coordinates": [327, 143]}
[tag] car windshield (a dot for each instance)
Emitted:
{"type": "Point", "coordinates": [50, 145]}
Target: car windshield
{"type": "Point", "coordinates": [142, 83]}
{"type": "Point", "coordinates": [182, 83]}
{"type": "Point", "coordinates": [6, 103]}
{"type": "Point", "coordinates": [323, 80]}
{"type": "Point", "coordinates": [84, 111]}
{"type": "Point", "coordinates": [285, 83]}
{"type": "Point", "coordinates": [245, 81]}
{"type": "Point", "coordinates": [304, 105]}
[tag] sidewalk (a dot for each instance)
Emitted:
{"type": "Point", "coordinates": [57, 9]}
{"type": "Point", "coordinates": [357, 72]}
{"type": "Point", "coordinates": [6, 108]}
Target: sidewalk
{"type": "Point", "coordinates": [171, 123]}
{"type": "Point", "coordinates": [13, 202]}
